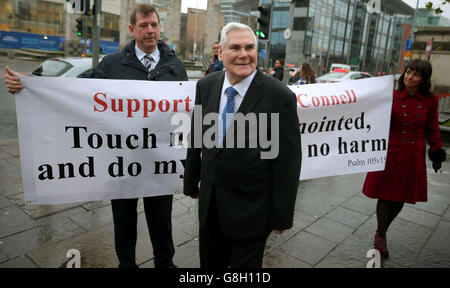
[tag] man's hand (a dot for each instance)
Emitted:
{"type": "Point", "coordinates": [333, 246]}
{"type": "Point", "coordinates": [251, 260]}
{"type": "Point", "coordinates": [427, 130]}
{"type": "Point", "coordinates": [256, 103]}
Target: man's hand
{"type": "Point", "coordinates": [12, 81]}
{"type": "Point", "coordinates": [278, 232]}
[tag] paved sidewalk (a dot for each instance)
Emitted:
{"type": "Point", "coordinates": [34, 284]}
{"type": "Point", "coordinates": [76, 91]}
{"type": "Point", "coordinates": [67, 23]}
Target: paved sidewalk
{"type": "Point", "coordinates": [334, 226]}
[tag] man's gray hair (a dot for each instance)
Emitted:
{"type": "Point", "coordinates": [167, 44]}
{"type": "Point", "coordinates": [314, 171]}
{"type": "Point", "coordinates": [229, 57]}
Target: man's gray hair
{"type": "Point", "coordinates": [234, 26]}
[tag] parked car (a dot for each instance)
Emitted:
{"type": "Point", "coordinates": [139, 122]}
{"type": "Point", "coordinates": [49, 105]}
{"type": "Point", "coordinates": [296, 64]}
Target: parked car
{"type": "Point", "coordinates": [63, 67]}
{"type": "Point", "coordinates": [336, 67]}
{"type": "Point", "coordinates": [333, 77]}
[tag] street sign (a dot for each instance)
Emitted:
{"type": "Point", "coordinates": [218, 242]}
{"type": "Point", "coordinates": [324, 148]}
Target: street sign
{"type": "Point", "coordinates": [408, 44]}
{"type": "Point", "coordinates": [263, 54]}
{"type": "Point", "coordinates": [287, 34]}
{"type": "Point", "coordinates": [408, 55]}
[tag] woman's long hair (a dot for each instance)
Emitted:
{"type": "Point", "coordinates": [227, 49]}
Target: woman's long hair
{"type": "Point", "coordinates": [308, 73]}
{"type": "Point", "coordinates": [425, 70]}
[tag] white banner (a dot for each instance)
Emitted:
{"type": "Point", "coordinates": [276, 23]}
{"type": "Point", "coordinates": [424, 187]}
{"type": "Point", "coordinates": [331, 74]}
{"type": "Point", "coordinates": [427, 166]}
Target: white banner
{"type": "Point", "coordinates": [95, 139]}
{"type": "Point", "coordinates": [344, 126]}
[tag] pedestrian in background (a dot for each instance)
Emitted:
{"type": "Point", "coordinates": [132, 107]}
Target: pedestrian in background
{"type": "Point", "coordinates": [306, 75]}
{"type": "Point", "coordinates": [279, 71]}
{"type": "Point", "coordinates": [216, 64]}
{"type": "Point", "coordinates": [404, 180]}
{"type": "Point", "coordinates": [144, 58]}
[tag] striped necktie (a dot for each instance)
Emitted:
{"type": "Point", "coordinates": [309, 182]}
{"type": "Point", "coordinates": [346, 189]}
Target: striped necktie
{"type": "Point", "coordinates": [148, 62]}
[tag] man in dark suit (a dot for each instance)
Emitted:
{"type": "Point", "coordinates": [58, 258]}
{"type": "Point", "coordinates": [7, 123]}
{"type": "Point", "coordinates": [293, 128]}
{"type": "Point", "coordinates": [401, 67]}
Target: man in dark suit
{"type": "Point", "coordinates": [242, 196]}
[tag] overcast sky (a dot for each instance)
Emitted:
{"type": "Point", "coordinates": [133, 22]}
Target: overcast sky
{"type": "Point", "coordinates": [436, 4]}
{"type": "Point", "coordinates": [201, 4]}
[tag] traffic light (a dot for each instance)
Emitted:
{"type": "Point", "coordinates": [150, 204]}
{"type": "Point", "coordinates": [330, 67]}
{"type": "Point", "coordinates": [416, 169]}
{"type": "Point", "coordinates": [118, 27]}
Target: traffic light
{"type": "Point", "coordinates": [264, 21]}
{"type": "Point", "coordinates": [79, 26]}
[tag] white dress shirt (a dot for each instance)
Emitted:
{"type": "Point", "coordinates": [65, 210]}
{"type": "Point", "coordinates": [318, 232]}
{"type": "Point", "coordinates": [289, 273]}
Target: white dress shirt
{"type": "Point", "coordinates": [240, 87]}
{"type": "Point", "coordinates": [141, 54]}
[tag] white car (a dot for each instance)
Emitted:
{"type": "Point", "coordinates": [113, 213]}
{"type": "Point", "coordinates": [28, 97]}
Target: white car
{"type": "Point", "coordinates": [63, 67]}
{"type": "Point", "coordinates": [340, 68]}
{"type": "Point", "coordinates": [334, 77]}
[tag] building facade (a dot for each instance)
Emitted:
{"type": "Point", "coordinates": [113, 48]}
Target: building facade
{"type": "Point", "coordinates": [48, 17]}
{"type": "Point", "coordinates": [427, 18]}
{"type": "Point", "coordinates": [229, 12]}
{"type": "Point", "coordinates": [343, 31]}
{"type": "Point", "coordinates": [276, 46]}
{"type": "Point", "coordinates": [439, 54]}
{"type": "Point", "coordinates": [195, 33]}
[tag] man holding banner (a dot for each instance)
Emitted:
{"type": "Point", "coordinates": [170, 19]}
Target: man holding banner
{"type": "Point", "coordinates": [144, 58]}
{"type": "Point", "coordinates": [242, 195]}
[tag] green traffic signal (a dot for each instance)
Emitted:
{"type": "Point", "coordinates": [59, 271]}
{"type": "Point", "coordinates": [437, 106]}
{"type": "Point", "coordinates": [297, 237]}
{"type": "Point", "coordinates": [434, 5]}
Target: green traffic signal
{"type": "Point", "coordinates": [264, 21]}
{"type": "Point", "coordinates": [79, 26]}
{"type": "Point", "coordinates": [260, 34]}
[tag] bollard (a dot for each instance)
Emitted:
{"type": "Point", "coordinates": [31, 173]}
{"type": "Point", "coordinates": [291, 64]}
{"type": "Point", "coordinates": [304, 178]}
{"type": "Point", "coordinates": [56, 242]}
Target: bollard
{"type": "Point", "coordinates": [10, 53]}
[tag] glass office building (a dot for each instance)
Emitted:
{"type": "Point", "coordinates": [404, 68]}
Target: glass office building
{"type": "Point", "coordinates": [48, 18]}
{"type": "Point", "coordinates": [279, 22]}
{"type": "Point", "coordinates": [228, 11]}
{"type": "Point", "coordinates": [427, 18]}
{"type": "Point", "coordinates": [343, 31]}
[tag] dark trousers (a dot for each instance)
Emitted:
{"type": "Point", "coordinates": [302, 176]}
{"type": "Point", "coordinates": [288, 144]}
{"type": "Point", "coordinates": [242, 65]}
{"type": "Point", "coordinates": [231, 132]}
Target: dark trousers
{"type": "Point", "coordinates": [158, 213]}
{"type": "Point", "coordinates": [218, 252]}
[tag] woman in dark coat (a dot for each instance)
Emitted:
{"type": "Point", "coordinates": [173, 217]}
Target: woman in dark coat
{"type": "Point", "coordinates": [404, 180]}
{"type": "Point", "coordinates": [279, 71]}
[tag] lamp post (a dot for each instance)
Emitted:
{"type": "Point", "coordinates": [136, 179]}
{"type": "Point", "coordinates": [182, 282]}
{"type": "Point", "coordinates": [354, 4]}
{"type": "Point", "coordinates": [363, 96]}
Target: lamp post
{"type": "Point", "coordinates": [195, 35]}
{"type": "Point", "coordinates": [413, 25]}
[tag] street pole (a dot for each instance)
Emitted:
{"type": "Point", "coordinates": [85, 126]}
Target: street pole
{"type": "Point", "coordinates": [96, 32]}
{"type": "Point", "coordinates": [195, 35]}
{"type": "Point", "coordinates": [413, 25]}
{"type": "Point", "coordinates": [68, 32]}
{"type": "Point", "coordinates": [379, 36]}
{"type": "Point", "coordinates": [269, 38]}
{"type": "Point", "coordinates": [330, 38]}
{"type": "Point", "coordinates": [392, 45]}
{"type": "Point", "coordinates": [84, 35]}
{"type": "Point", "coordinates": [351, 32]}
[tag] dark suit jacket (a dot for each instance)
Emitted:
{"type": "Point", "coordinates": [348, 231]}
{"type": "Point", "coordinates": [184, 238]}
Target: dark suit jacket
{"type": "Point", "coordinates": [253, 195]}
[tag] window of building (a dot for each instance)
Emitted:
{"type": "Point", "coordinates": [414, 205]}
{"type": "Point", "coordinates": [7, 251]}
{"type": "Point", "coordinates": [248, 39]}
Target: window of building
{"type": "Point", "coordinates": [280, 19]}
{"type": "Point", "coordinates": [301, 23]}
{"type": "Point", "coordinates": [301, 3]}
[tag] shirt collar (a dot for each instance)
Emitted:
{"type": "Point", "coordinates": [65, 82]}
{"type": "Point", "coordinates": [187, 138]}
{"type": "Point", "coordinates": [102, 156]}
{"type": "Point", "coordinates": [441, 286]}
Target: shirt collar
{"type": "Point", "coordinates": [141, 54]}
{"type": "Point", "coordinates": [242, 86]}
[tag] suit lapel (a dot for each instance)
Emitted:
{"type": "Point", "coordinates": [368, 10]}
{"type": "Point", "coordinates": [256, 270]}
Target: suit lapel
{"type": "Point", "coordinates": [213, 98]}
{"type": "Point", "coordinates": [253, 94]}
{"type": "Point", "coordinates": [214, 94]}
